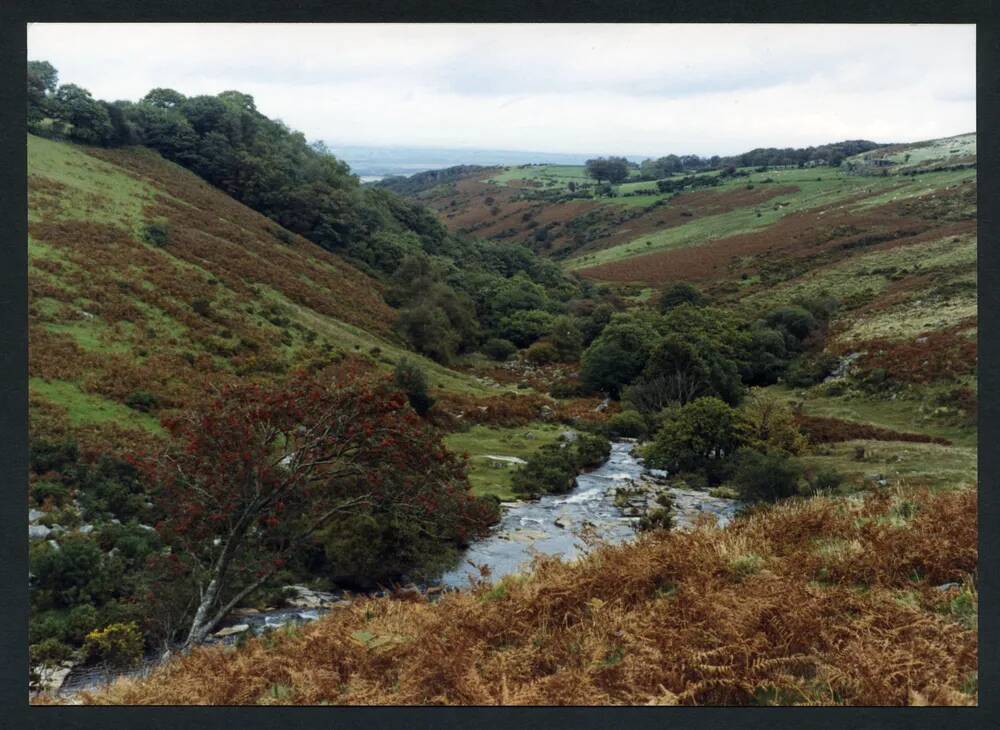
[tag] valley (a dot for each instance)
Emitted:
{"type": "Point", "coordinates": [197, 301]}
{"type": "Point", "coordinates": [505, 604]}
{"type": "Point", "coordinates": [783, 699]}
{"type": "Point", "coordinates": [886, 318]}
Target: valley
{"type": "Point", "coordinates": [251, 373]}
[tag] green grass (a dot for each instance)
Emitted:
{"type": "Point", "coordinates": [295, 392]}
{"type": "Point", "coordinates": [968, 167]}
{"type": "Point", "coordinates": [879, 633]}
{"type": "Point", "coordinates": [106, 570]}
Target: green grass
{"type": "Point", "coordinates": [871, 273]}
{"type": "Point", "coordinates": [480, 441]}
{"type": "Point", "coordinates": [903, 414]}
{"type": "Point", "coordinates": [899, 463]}
{"type": "Point", "coordinates": [95, 190]}
{"type": "Point", "coordinates": [90, 334]}
{"type": "Point", "coordinates": [354, 339]}
{"type": "Point", "coordinates": [820, 189]}
{"type": "Point", "coordinates": [87, 408]}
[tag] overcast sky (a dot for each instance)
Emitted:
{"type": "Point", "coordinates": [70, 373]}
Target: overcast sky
{"type": "Point", "coordinates": [606, 89]}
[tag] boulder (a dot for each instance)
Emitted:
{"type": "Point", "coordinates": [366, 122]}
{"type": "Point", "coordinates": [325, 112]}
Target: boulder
{"type": "Point", "coordinates": [34, 515]}
{"type": "Point", "coordinates": [38, 532]}
{"type": "Point", "coordinates": [232, 630]}
{"type": "Point", "coordinates": [304, 597]}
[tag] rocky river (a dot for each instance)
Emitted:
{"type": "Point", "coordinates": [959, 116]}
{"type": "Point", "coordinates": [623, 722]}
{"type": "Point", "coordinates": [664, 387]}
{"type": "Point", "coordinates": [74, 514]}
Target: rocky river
{"type": "Point", "coordinates": [606, 504]}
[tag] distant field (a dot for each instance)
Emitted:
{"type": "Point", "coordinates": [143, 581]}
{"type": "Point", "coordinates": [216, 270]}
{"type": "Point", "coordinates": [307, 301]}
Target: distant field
{"type": "Point", "coordinates": [825, 190]}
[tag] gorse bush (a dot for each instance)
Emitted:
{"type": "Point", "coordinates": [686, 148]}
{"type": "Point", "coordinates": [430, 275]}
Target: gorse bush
{"type": "Point", "coordinates": [119, 645]}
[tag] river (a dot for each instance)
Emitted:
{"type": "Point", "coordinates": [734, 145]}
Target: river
{"type": "Point", "coordinates": [549, 525]}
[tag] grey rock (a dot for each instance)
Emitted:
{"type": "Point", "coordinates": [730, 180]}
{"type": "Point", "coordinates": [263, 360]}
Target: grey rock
{"type": "Point", "coordinates": [945, 587]}
{"type": "Point", "coordinates": [232, 630]}
{"type": "Point", "coordinates": [38, 532]}
{"type": "Point", "coordinates": [86, 529]}
{"type": "Point", "coordinates": [34, 515]}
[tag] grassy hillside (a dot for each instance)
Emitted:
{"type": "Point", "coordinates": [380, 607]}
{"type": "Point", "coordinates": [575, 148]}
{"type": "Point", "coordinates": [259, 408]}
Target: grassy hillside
{"type": "Point", "coordinates": [824, 601]}
{"type": "Point", "coordinates": [890, 233]}
{"type": "Point", "coordinates": [146, 283]}
{"type": "Point", "coordinates": [748, 224]}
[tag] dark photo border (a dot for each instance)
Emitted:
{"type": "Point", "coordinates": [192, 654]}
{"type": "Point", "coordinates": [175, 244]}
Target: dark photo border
{"type": "Point", "coordinates": [14, 14]}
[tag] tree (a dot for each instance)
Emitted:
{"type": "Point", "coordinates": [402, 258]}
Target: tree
{"type": "Point", "coordinates": [163, 98]}
{"type": "Point", "coordinates": [680, 293]}
{"type": "Point", "coordinates": [524, 326]}
{"type": "Point", "coordinates": [620, 353]}
{"type": "Point", "coordinates": [566, 338]}
{"type": "Point", "coordinates": [42, 81]}
{"type": "Point", "coordinates": [612, 169]}
{"type": "Point", "coordinates": [795, 322]}
{"type": "Point", "coordinates": [697, 437]}
{"type": "Point", "coordinates": [680, 369]}
{"type": "Point", "coordinates": [255, 472]}
{"type": "Point", "coordinates": [427, 329]}
{"type": "Point", "coordinates": [88, 119]}
{"type": "Point", "coordinates": [410, 379]}
{"type": "Point", "coordinates": [771, 426]}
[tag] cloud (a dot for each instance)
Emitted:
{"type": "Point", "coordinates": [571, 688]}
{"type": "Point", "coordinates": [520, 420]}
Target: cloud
{"type": "Point", "coordinates": [632, 89]}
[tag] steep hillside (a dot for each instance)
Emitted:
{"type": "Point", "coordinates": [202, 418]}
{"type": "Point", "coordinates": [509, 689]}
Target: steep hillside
{"type": "Point", "coordinates": [146, 284]}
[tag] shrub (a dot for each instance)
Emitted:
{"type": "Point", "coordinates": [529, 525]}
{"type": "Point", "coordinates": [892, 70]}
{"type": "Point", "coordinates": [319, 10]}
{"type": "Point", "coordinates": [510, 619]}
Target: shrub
{"type": "Point", "coordinates": [550, 470]}
{"type": "Point", "coordinates": [72, 574]}
{"type": "Point", "coordinates": [660, 517]}
{"type": "Point", "coordinates": [156, 233]}
{"type": "Point", "coordinates": [700, 436]}
{"type": "Point", "coordinates": [498, 348]}
{"type": "Point", "coordinates": [49, 490]}
{"type": "Point", "coordinates": [627, 424]}
{"type": "Point", "coordinates": [142, 400]}
{"type": "Point", "coordinates": [592, 450]}
{"type": "Point", "coordinates": [680, 293]}
{"type": "Point", "coordinates": [411, 380]}
{"type": "Point", "coordinates": [45, 456]}
{"type": "Point", "coordinates": [202, 307]}
{"type": "Point", "coordinates": [566, 389]}
{"type": "Point", "coordinates": [542, 353]}
{"type": "Point", "coordinates": [763, 477]}
{"type": "Point", "coordinates": [826, 479]}
{"type": "Point", "coordinates": [806, 371]}
{"type": "Point", "coordinates": [49, 651]}
{"type": "Point", "coordinates": [119, 645]}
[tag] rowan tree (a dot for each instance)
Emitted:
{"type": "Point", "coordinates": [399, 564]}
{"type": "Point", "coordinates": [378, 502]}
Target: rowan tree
{"type": "Point", "coordinates": [256, 471]}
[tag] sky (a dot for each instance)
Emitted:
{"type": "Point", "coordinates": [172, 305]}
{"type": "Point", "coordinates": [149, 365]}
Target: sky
{"type": "Point", "coordinates": [645, 89]}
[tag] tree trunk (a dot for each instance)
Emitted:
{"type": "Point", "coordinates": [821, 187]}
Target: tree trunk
{"type": "Point", "coordinates": [199, 625]}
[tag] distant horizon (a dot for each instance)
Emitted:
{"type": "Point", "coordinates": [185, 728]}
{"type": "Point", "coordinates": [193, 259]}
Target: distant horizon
{"type": "Point", "coordinates": [638, 156]}
{"type": "Point", "coordinates": [700, 89]}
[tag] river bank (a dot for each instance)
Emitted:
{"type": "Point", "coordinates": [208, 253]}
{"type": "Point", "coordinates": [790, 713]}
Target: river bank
{"type": "Point", "coordinates": [606, 505]}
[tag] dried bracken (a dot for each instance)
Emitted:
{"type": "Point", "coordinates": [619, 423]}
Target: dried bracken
{"type": "Point", "coordinates": [818, 601]}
